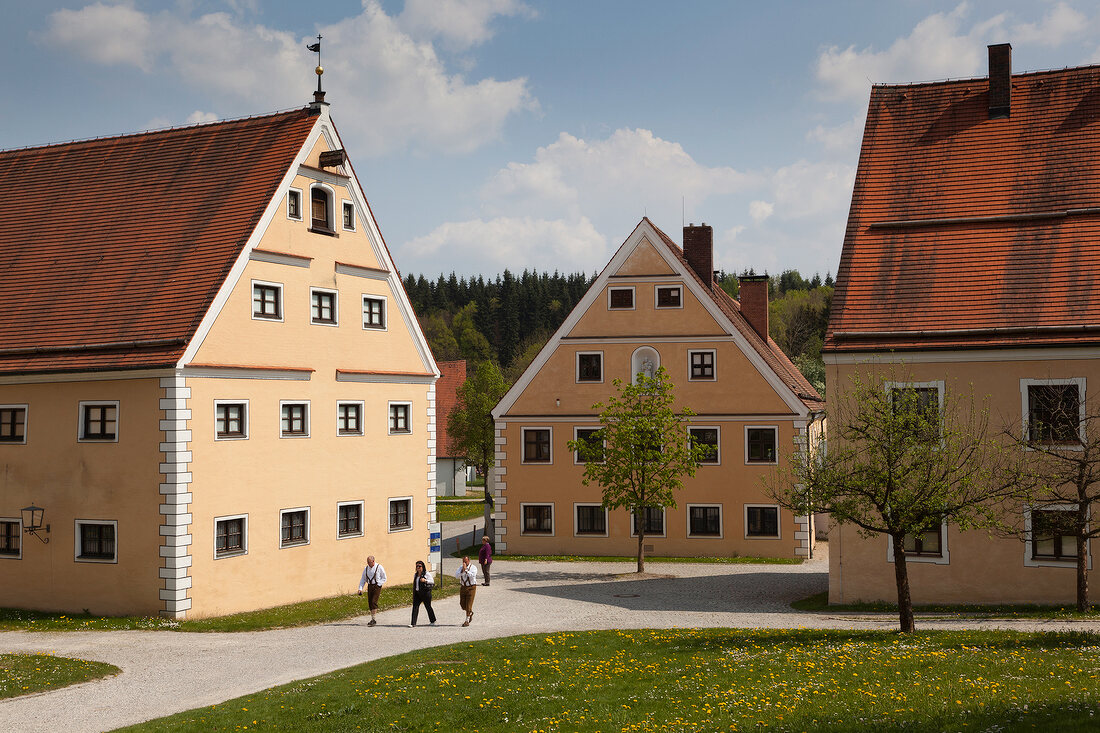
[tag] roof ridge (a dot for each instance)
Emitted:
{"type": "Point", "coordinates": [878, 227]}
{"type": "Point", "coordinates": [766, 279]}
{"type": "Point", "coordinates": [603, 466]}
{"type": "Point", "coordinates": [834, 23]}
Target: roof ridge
{"type": "Point", "coordinates": [969, 79]}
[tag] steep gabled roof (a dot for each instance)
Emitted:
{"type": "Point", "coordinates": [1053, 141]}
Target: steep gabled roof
{"type": "Point", "coordinates": [111, 250]}
{"type": "Point", "coordinates": [971, 232]}
{"type": "Point", "coordinates": [452, 375]}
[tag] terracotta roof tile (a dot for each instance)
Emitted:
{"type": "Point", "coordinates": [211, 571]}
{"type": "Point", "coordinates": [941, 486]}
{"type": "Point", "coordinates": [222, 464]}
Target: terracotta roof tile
{"type": "Point", "coordinates": [452, 375]}
{"type": "Point", "coordinates": [128, 239]}
{"type": "Point", "coordinates": [1015, 257]}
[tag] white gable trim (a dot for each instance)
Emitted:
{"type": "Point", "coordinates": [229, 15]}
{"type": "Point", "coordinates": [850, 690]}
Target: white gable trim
{"type": "Point", "coordinates": [645, 230]}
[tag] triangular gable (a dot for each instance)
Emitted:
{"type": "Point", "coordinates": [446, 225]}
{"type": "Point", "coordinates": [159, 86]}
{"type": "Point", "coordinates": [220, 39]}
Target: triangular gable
{"type": "Point", "coordinates": [644, 260]}
{"type": "Point", "coordinates": [641, 237]}
{"type": "Point", "coordinates": [325, 136]}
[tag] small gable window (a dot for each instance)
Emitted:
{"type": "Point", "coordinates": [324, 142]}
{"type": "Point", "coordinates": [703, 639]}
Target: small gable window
{"type": "Point", "coordinates": [294, 205]}
{"type": "Point", "coordinates": [349, 216]}
{"type": "Point", "coordinates": [668, 296]}
{"type": "Point", "coordinates": [320, 210]}
{"type": "Point", "coordinates": [620, 298]}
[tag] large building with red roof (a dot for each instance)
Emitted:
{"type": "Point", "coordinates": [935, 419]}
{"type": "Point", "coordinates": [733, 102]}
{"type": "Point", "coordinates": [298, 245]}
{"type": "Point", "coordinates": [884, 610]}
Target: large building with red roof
{"type": "Point", "coordinates": [972, 259]}
{"type": "Point", "coordinates": [657, 305]}
{"type": "Point", "coordinates": [211, 379]}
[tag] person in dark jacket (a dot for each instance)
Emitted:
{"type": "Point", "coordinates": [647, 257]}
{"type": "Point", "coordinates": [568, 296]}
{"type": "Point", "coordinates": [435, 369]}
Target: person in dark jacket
{"type": "Point", "coordinates": [422, 592]}
{"type": "Point", "coordinates": [485, 558]}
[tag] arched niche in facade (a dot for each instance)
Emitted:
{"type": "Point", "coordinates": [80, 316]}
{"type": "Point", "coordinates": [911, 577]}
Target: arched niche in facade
{"type": "Point", "coordinates": [644, 360]}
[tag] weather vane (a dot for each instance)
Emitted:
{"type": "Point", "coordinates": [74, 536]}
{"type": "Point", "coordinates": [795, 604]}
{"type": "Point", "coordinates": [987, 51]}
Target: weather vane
{"type": "Point", "coordinates": [316, 48]}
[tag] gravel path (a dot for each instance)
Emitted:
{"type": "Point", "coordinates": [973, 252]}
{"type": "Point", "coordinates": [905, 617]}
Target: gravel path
{"type": "Point", "coordinates": [167, 672]}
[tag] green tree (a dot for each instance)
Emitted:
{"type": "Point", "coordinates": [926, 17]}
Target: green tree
{"type": "Point", "coordinates": [440, 338]}
{"type": "Point", "coordinates": [901, 462]}
{"type": "Point", "coordinates": [471, 427]}
{"type": "Point", "coordinates": [473, 345]}
{"type": "Point", "coordinates": [642, 453]}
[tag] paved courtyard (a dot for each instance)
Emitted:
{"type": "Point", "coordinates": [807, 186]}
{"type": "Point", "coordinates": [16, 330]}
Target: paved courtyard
{"type": "Point", "coordinates": [165, 672]}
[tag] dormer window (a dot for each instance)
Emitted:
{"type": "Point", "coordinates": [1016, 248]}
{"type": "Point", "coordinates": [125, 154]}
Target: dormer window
{"type": "Point", "coordinates": [320, 210]}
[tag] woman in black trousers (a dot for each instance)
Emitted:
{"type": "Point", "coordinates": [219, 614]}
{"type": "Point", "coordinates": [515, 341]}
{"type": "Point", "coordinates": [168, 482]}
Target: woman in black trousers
{"type": "Point", "coordinates": [422, 592]}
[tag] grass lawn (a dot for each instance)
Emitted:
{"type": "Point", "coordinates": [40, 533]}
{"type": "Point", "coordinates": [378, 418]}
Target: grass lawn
{"type": "Point", "coordinates": [23, 674]}
{"type": "Point", "coordinates": [454, 511]}
{"type": "Point", "coordinates": [695, 680]}
{"type": "Point", "coordinates": [819, 602]}
{"type": "Point", "coordinates": [323, 610]}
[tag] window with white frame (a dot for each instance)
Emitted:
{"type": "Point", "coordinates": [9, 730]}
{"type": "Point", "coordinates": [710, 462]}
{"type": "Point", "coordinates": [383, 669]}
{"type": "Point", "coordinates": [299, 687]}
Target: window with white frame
{"type": "Point", "coordinates": [1052, 534]}
{"type": "Point", "coordinates": [590, 519]}
{"type": "Point", "coordinates": [760, 444]}
{"type": "Point", "coordinates": [230, 535]}
{"type": "Point", "coordinates": [294, 527]}
{"type": "Point", "coordinates": [1053, 411]}
{"type": "Point", "coordinates": [230, 419]}
{"type": "Point", "coordinates": [321, 210]}
{"type": "Point", "coordinates": [96, 540]}
{"type": "Point", "coordinates": [349, 418]}
{"type": "Point", "coordinates": [11, 538]}
{"type": "Point", "coordinates": [294, 205]}
{"type": "Point", "coordinates": [704, 520]}
{"type": "Point", "coordinates": [620, 298]}
{"type": "Point", "coordinates": [374, 312]}
{"type": "Point", "coordinates": [706, 438]}
{"type": "Point", "coordinates": [701, 365]}
{"type": "Point", "coordinates": [652, 519]}
{"type": "Point", "coordinates": [349, 519]}
{"type": "Point", "coordinates": [267, 301]}
{"type": "Point", "coordinates": [537, 518]}
{"type": "Point", "coordinates": [589, 366]}
{"type": "Point", "coordinates": [668, 296]}
{"type": "Point", "coordinates": [400, 418]}
{"type": "Point", "coordinates": [13, 424]}
{"type": "Point", "coordinates": [536, 445]}
{"type": "Point", "coordinates": [918, 407]}
{"type": "Point", "coordinates": [761, 521]}
{"type": "Point", "coordinates": [929, 546]}
{"type": "Point", "coordinates": [99, 422]}
{"type": "Point", "coordinates": [323, 308]}
{"type": "Point", "coordinates": [401, 514]}
{"type": "Point", "coordinates": [294, 419]}
{"type": "Point", "coordinates": [590, 449]}
{"type": "Point", "coordinates": [348, 216]}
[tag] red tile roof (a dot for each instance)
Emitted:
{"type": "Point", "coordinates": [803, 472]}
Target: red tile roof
{"type": "Point", "coordinates": [767, 349]}
{"type": "Point", "coordinates": [966, 231]}
{"type": "Point", "coordinates": [452, 375]}
{"type": "Point", "coordinates": [112, 250]}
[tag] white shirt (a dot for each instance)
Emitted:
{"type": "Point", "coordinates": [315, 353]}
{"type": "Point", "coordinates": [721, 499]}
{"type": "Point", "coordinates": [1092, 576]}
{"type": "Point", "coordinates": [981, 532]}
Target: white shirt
{"type": "Point", "coordinates": [428, 580]}
{"type": "Point", "coordinates": [468, 575]}
{"type": "Point", "coordinates": [374, 576]}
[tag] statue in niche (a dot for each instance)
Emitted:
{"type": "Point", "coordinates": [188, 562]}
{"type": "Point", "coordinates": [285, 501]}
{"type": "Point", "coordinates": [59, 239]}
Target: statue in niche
{"type": "Point", "coordinates": [647, 368]}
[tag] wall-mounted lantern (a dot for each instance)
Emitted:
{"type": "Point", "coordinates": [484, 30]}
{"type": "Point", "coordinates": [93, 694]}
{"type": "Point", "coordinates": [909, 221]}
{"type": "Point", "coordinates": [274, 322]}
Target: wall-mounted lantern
{"type": "Point", "coordinates": [32, 522]}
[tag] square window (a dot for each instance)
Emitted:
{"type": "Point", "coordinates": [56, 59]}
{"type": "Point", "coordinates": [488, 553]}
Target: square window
{"type": "Point", "coordinates": [374, 312]}
{"type": "Point", "coordinates": [13, 424]}
{"type": "Point", "coordinates": [399, 417]}
{"type": "Point", "coordinates": [322, 307]}
{"type": "Point", "coordinates": [707, 439]}
{"type": "Point", "coordinates": [229, 536]}
{"type": "Point", "coordinates": [620, 298]}
{"type": "Point", "coordinates": [349, 216]}
{"type": "Point", "coordinates": [295, 527]}
{"type": "Point", "coordinates": [538, 519]}
{"type": "Point", "coordinates": [704, 521]}
{"type": "Point", "coordinates": [400, 514]}
{"type": "Point", "coordinates": [1054, 413]}
{"type": "Point", "coordinates": [294, 419]}
{"type": "Point", "coordinates": [591, 448]}
{"type": "Point", "coordinates": [95, 541]}
{"type": "Point", "coordinates": [668, 296]}
{"type": "Point", "coordinates": [267, 301]}
{"type": "Point", "coordinates": [760, 445]}
{"type": "Point", "coordinates": [653, 519]}
{"type": "Point", "coordinates": [918, 410]}
{"type": "Point", "coordinates": [349, 519]}
{"type": "Point", "coordinates": [349, 418]}
{"type": "Point", "coordinates": [1052, 534]}
{"type": "Point", "coordinates": [230, 420]}
{"type": "Point", "coordinates": [925, 544]}
{"type": "Point", "coordinates": [591, 519]}
{"type": "Point", "coordinates": [294, 205]}
{"type": "Point", "coordinates": [761, 521]}
{"type": "Point", "coordinates": [590, 367]}
{"type": "Point", "coordinates": [702, 365]}
{"type": "Point", "coordinates": [10, 538]}
{"type": "Point", "coordinates": [536, 445]}
{"type": "Point", "coordinates": [99, 421]}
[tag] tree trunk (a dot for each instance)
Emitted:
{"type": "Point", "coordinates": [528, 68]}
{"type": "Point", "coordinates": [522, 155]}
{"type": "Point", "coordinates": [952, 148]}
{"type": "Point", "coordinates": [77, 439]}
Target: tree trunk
{"type": "Point", "coordinates": [1082, 557]}
{"type": "Point", "coordinates": [489, 528]}
{"type": "Point", "coordinates": [901, 576]}
{"type": "Point", "coordinates": [641, 548]}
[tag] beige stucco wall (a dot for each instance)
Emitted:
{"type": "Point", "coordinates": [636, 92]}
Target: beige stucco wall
{"type": "Point", "coordinates": [71, 480]}
{"type": "Point", "coordinates": [980, 568]}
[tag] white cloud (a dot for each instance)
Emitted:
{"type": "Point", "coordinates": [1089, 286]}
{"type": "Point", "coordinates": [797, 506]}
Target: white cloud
{"type": "Point", "coordinates": [806, 189]}
{"type": "Point", "coordinates": [390, 91]}
{"type": "Point", "coordinates": [760, 210]}
{"type": "Point", "coordinates": [1061, 24]}
{"type": "Point", "coordinates": [460, 24]}
{"type": "Point", "coordinates": [843, 138]}
{"type": "Point", "coordinates": [198, 116]}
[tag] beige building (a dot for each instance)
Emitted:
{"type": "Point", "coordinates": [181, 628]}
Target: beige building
{"type": "Point", "coordinates": [974, 266]}
{"type": "Point", "coordinates": [211, 379]}
{"type": "Point", "coordinates": [657, 305]}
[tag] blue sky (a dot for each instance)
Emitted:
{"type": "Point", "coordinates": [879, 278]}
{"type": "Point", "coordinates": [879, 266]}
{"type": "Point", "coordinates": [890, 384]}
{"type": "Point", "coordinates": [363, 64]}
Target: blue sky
{"type": "Point", "coordinates": [492, 134]}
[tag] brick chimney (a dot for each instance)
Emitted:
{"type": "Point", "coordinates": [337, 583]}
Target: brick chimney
{"type": "Point", "coordinates": [699, 251]}
{"type": "Point", "coordinates": [1000, 80]}
{"type": "Point", "coordinates": [753, 294]}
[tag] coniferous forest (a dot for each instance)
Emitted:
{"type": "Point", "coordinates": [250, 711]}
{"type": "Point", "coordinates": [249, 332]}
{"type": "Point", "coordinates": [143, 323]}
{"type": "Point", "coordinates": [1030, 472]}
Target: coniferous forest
{"type": "Point", "coordinates": [508, 319]}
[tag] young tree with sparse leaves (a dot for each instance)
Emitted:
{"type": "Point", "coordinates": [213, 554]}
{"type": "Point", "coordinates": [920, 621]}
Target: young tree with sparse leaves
{"type": "Point", "coordinates": [901, 461]}
{"type": "Point", "coordinates": [471, 427]}
{"type": "Point", "coordinates": [642, 452]}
